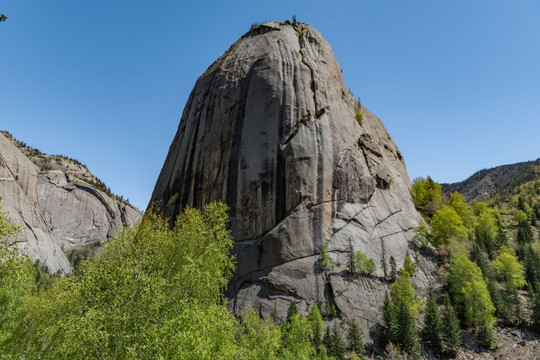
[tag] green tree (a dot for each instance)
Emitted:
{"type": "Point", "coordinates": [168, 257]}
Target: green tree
{"type": "Point", "coordinates": [317, 325]}
{"type": "Point", "coordinates": [389, 327]}
{"type": "Point", "coordinates": [328, 340]}
{"type": "Point", "coordinates": [358, 262]}
{"type": "Point", "coordinates": [292, 310]}
{"type": "Point", "coordinates": [509, 270]}
{"type": "Point", "coordinates": [354, 337]}
{"type": "Point", "coordinates": [514, 307]}
{"type": "Point", "coordinates": [433, 325]}
{"type": "Point", "coordinates": [485, 335]}
{"type": "Point", "coordinates": [383, 259]}
{"type": "Point", "coordinates": [399, 311]}
{"type": "Point", "coordinates": [364, 264]}
{"type": "Point", "coordinates": [407, 334]}
{"type": "Point", "coordinates": [408, 265]}
{"type": "Point", "coordinates": [525, 234]}
{"type": "Point", "coordinates": [520, 216]}
{"type": "Point", "coordinates": [501, 307]}
{"type": "Point", "coordinates": [450, 325]}
{"type": "Point", "coordinates": [256, 338]}
{"type": "Point", "coordinates": [338, 350]}
{"type": "Point", "coordinates": [296, 337]}
{"type": "Point", "coordinates": [402, 292]}
{"type": "Point", "coordinates": [487, 231]}
{"type": "Point", "coordinates": [469, 290]}
{"type": "Point", "coordinates": [150, 293]}
{"type": "Point", "coordinates": [531, 261]}
{"type": "Point", "coordinates": [446, 224]}
{"type": "Point", "coordinates": [351, 259]}
{"type": "Point", "coordinates": [393, 269]}
{"type": "Point", "coordinates": [324, 260]}
{"type": "Point", "coordinates": [16, 278]}
{"type": "Point", "coordinates": [535, 307]}
{"type": "Point", "coordinates": [426, 194]}
{"type": "Point", "coordinates": [457, 201]}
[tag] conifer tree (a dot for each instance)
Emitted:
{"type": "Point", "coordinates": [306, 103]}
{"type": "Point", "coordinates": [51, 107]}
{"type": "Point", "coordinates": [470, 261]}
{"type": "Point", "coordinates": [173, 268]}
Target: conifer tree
{"type": "Point", "coordinates": [351, 260]}
{"type": "Point", "coordinates": [535, 300]}
{"type": "Point", "coordinates": [328, 340]}
{"type": "Point", "coordinates": [485, 335]}
{"type": "Point", "coordinates": [407, 334]}
{"type": "Point", "coordinates": [515, 307]}
{"type": "Point", "coordinates": [433, 325]}
{"type": "Point", "coordinates": [498, 300]}
{"type": "Point", "coordinates": [383, 259]}
{"type": "Point", "coordinates": [292, 311]}
{"type": "Point", "coordinates": [525, 234]}
{"type": "Point", "coordinates": [393, 269]}
{"type": "Point", "coordinates": [450, 324]}
{"type": "Point", "coordinates": [354, 336]}
{"type": "Point", "coordinates": [338, 344]}
{"type": "Point", "coordinates": [275, 316]}
{"type": "Point", "coordinates": [389, 328]}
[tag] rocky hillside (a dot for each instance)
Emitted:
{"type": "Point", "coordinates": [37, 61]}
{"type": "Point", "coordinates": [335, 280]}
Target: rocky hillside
{"type": "Point", "coordinates": [272, 130]}
{"type": "Point", "coordinates": [489, 181]}
{"type": "Point", "coordinates": [58, 202]}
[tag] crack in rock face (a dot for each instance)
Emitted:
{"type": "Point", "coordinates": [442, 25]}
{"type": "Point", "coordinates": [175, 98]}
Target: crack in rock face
{"type": "Point", "coordinates": [270, 128]}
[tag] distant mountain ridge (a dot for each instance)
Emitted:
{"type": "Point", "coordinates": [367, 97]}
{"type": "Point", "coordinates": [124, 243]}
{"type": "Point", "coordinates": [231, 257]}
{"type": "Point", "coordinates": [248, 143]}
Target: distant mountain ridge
{"type": "Point", "coordinates": [487, 182]}
{"type": "Point", "coordinates": [59, 204]}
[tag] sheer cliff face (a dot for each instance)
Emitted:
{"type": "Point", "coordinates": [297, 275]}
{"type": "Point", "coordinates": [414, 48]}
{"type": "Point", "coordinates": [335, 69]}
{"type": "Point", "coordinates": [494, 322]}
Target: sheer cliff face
{"type": "Point", "coordinates": [271, 129]}
{"type": "Point", "coordinates": [56, 203]}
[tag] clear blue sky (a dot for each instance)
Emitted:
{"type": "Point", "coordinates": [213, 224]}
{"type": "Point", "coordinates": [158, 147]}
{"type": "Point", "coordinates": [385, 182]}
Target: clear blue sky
{"type": "Point", "coordinates": [457, 83]}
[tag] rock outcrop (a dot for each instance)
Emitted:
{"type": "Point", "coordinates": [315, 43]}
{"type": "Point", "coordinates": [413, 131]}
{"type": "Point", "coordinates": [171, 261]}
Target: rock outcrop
{"type": "Point", "coordinates": [58, 203]}
{"type": "Point", "coordinates": [271, 129]}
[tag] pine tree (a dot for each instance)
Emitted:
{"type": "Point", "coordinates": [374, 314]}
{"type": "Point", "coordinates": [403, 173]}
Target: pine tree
{"type": "Point", "coordinates": [354, 336]}
{"type": "Point", "coordinates": [450, 324]}
{"type": "Point", "coordinates": [433, 325]}
{"type": "Point", "coordinates": [328, 340]}
{"type": "Point", "coordinates": [535, 300]}
{"type": "Point", "coordinates": [292, 311]}
{"type": "Point", "coordinates": [351, 259]}
{"type": "Point", "coordinates": [383, 259]}
{"type": "Point", "coordinates": [485, 335]}
{"type": "Point", "coordinates": [389, 328]}
{"type": "Point", "coordinates": [407, 334]}
{"type": "Point", "coordinates": [275, 315]}
{"type": "Point", "coordinates": [393, 269]}
{"type": "Point", "coordinates": [498, 300]}
{"type": "Point", "coordinates": [524, 234]}
{"type": "Point", "coordinates": [339, 345]}
{"type": "Point", "coordinates": [515, 307]}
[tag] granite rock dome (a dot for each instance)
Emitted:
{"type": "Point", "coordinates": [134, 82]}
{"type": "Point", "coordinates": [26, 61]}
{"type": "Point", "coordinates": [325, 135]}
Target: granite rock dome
{"type": "Point", "coordinates": [271, 129]}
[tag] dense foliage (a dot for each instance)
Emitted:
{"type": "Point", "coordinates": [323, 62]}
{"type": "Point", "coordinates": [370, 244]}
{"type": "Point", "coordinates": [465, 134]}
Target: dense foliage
{"type": "Point", "coordinates": [489, 253]}
{"type": "Point", "coordinates": [152, 293]}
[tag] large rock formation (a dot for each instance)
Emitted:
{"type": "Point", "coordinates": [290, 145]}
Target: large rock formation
{"type": "Point", "coordinates": [271, 129]}
{"type": "Point", "coordinates": [58, 203]}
